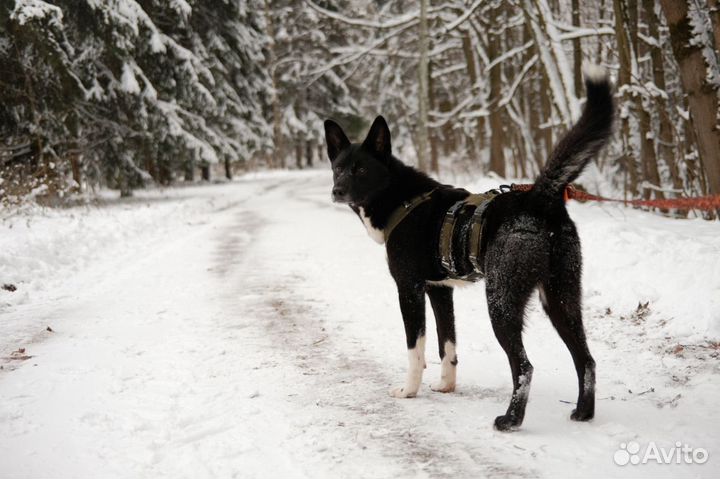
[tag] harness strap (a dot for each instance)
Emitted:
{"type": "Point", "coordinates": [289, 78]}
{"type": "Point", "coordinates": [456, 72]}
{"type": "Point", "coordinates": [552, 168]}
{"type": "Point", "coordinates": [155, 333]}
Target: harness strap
{"type": "Point", "coordinates": [447, 232]}
{"type": "Point", "coordinates": [446, 237]}
{"type": "Point", "coordinates": [476, 236]}
{"type": "Point", "coordinates": [402, 211]}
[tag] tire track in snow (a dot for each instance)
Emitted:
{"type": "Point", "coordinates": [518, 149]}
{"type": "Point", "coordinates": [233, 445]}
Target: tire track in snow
{"type": "Point", "coordinates": [57, 298]}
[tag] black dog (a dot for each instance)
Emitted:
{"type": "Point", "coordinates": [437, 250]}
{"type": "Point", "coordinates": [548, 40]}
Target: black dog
{"type": "Point", "coordinates": [528, 242]}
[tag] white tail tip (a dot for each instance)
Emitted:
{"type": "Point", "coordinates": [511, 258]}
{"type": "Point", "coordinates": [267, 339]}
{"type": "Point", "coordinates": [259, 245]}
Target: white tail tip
{"type": "Point", "coordinates": [594, 72]}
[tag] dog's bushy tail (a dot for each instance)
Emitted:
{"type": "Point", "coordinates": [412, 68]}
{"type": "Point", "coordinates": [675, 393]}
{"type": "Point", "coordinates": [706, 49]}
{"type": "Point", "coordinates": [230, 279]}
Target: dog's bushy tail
{"type": "Point", "coordinates": [586, 138]}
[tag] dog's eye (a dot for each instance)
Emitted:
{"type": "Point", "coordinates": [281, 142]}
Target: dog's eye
{"type": "Point", "coordinates": [338, 170]}
{"type": "Point", "coordinates": [361, 171]}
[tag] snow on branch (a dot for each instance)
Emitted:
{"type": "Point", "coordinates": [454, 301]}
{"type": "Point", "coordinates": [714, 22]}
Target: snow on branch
{"type": "Point", "coordinates": [360, 52]}
{"type": "Point", "coordinates": [435, 52]}
{"type": "Point", "coordinates": [463, 17]}
{"type": "Point", "coordinates": [586, 32]}
{"type": "Point", "coordinates": [510, 53]}
{"type": "Point", "coordinates": [359, 22]}
{"type": "Point", "coordinates": [511, 91]}
{"type": "Point", "coordinates": [35, 9]}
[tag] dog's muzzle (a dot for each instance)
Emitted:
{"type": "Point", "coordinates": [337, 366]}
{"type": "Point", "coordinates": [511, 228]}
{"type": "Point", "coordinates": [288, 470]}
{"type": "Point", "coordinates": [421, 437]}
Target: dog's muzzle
{"type": "Point", "coordinates": [339, 195]}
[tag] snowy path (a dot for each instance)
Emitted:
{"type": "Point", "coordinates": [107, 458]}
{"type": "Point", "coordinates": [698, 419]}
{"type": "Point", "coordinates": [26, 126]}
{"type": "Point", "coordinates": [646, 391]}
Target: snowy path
{"type": "Point", "coordinates": [252, 330]}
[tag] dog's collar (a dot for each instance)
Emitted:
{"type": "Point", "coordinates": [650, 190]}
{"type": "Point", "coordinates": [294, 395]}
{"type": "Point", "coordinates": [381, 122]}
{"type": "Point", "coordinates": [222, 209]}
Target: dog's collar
{"type": "Point", "coordinates": [403, 210]}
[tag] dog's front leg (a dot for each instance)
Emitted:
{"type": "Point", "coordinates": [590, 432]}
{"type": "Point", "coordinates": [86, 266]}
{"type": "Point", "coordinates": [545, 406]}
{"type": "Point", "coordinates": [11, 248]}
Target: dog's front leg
{"type": "Point", "coordinates": [441, 299]}
{"type": "Point", "coordinates": [412, 306]}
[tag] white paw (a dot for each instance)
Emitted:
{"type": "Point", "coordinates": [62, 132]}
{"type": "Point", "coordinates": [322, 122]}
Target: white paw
{"type": "Point", "coordinates": [442, 387]}
{"type": "Point", "coordinates": [402, 393]}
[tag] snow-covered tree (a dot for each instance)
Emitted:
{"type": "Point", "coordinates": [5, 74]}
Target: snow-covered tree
{"type": "Point", "coordinates": [38, 105]}
{"type": "Point", "coordinates": [300, 44]}
{"type": "Point", "coordinates": [505, 77]}
{"type": "Point", "coordinates": [124, 92]}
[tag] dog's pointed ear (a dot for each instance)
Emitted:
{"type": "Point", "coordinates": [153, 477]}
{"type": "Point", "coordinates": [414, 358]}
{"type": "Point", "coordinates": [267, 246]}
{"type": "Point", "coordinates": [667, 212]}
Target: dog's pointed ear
{"type": "Point", "coordinates": [335, 138]}
{"type": "Point", "coordinates": [378, 138]}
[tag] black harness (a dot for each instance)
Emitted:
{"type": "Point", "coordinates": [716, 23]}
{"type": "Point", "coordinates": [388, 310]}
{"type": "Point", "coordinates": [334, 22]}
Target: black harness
{"type": "Point", "coordinates": [460, 235]}
{"type": "Point", "coordinates": [462, 228]}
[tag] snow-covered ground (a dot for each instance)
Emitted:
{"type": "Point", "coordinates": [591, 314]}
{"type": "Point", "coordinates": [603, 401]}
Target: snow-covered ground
{"type": "Point", "coordinates": [251, 329]}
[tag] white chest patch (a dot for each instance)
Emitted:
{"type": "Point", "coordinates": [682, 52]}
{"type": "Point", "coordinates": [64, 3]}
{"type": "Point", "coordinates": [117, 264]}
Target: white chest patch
{"type": "Point", "coordinates": [377, 235]}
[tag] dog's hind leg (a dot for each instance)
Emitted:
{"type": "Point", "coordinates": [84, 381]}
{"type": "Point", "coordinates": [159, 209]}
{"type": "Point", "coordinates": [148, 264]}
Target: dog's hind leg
{"type": "Point", "coordinates": [560, 296]}
{"type": "Point", "coordinates": [507, 295]}
{"type": "Point", "coordinates": [441, 299]}
{"type": "Point", "coordinates": [412, 306]}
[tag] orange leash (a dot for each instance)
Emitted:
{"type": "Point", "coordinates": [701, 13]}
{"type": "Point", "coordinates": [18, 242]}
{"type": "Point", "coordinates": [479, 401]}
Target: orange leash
{"type": "Point", "coordinates": [705, 203]}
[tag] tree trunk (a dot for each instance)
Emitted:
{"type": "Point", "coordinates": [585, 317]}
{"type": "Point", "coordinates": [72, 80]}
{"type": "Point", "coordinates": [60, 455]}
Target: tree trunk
{"type": "Point", "coordinates": [715, 19]}
{"type": "Point", "coordinates": [473, 76]}
{"type": "Point", "coordinates": [433, 134]}
{"type": "Point", "coordinates": [577, 49]}
{"type": "Point", "coordinates": [124, 179]}
{"type": "Point", "coordinates": [449, 140]}
{"type": "Point", "coordinates": [422, 128]}
{"type": "Point", "coordinates": [547, 114]}
{"type": "Point", "coordinates": [553, 59]}
{"type": "Point", "coordinates": [76, 166]}
{"type": "Point", "coordinates": [667, 152]}
{"type": "Point", "coordinates": [298, 154]}
{"type": "Point", "coordinates": [205, 171]}
{"type": "Point", "coordinates": [534, 125]}
{"type": "Point", "coordinates": [702, 96]}
{"type": "Point", "coordinates": [309, 153]}
{"type": "Point", "coordinates": [228, 169]}
{"type": "Point", "coordinates": [190, 171]}
{"type": "Point", "coordinates": [497, 136]}
{"type": "Point", "coordinates": [519, 156]}
{"type": "Point", "coordinates": [626, 57]}
{"type": "Point", "coordinates": [527, 142]}
{"type": "Point", "coordinates": [277, 157]}
{"type": "Point", "coordinates": [601, 17]}
{"type": "Point", "coordinates": [151, 165]}
{"type": "Point", "coordinates": [544, 104]}
{"type": "Point", "coordinates": [648, 154]}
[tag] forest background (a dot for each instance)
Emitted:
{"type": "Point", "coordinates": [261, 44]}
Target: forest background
{"type": "Point", "coordinates": [130, 93]}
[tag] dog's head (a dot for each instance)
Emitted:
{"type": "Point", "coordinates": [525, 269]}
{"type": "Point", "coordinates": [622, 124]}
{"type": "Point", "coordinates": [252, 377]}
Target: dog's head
{"type": "Point", "coordinates": [360, 171]}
